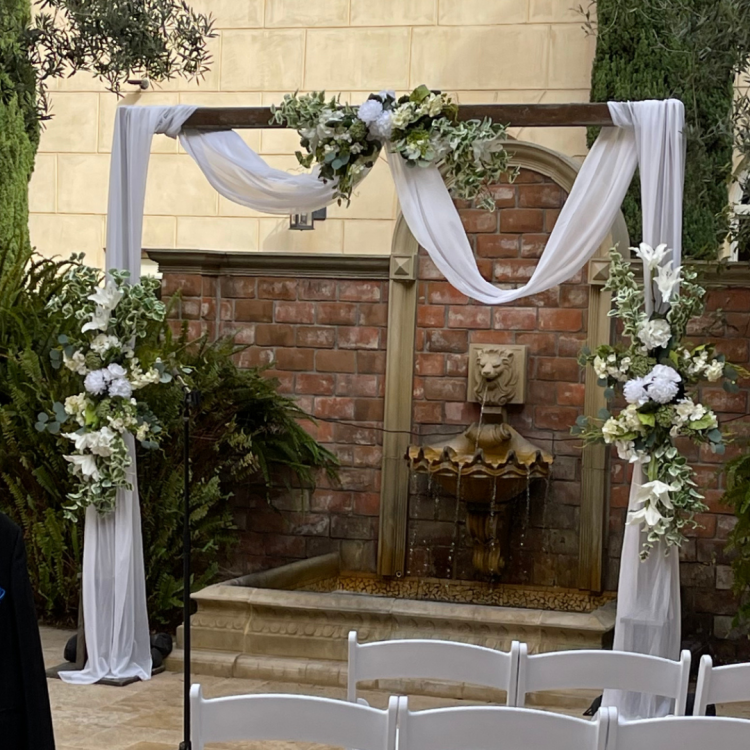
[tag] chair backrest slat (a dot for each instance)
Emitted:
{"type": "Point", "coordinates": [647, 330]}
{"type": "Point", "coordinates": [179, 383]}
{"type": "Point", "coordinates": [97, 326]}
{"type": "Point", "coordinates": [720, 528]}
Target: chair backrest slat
{"type": "Point", "coordinates": [293, 718]}
{"type": "Point", "coordinates": [494, 727]}
{"type": "Point", "coordinates": [680, 733]}
{"type": "Point", "coordinates": [604, 669]}
{"type": "Point", "coordinates": [433, 660]}
{"type": "Point", "coordinates": [721, 684]}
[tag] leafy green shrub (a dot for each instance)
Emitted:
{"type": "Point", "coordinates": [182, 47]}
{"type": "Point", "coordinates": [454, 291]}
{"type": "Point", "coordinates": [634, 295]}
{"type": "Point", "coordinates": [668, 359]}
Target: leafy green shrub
{"type": "Point", "coordinates": [690, 50]}
{"type": "Point", "coordinates": [243, 429]}
{"type": "Point", "coordinates": [19, 129]}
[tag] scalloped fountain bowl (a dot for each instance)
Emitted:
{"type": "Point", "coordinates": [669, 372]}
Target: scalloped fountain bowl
{"type": "Point", "coordinates": [487, 466]}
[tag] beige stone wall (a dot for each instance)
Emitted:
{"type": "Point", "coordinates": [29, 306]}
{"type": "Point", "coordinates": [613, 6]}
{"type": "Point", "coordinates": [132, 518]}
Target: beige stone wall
{"type": "Point", "coordinates": [482, 51]}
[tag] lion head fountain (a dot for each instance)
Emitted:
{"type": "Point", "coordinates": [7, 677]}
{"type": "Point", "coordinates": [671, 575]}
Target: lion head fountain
{"type": "Point", "coordinates": [490, 463]}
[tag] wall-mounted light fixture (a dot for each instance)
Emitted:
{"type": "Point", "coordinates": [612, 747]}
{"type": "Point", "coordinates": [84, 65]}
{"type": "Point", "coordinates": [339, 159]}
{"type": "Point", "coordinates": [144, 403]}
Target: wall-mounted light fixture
{"type": "Point", "coordinates": [305, 221]}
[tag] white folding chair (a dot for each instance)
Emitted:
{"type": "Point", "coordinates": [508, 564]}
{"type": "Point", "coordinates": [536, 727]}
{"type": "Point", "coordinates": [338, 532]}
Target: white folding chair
{"type": "Point", "coordinates": [432, 660]}
{"type": "Point", "coordinates": [618, 670]}
{"type": "Point", "coordinates": [497, 728]}
{"type": "Point", "coordinates": [720, 685]}
{"type": "Point", "coordinates": [677, 733]}
{"type": "Point", "coordinates": [293, 718]}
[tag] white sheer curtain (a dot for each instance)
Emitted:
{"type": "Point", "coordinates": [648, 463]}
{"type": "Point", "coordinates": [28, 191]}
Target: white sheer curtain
{"type": "Point", "coordinates": [648, 593]}
{"type": "Point", "coordinates": [649, 133]}
{"type": "Point", "coordinates": [114, 583]}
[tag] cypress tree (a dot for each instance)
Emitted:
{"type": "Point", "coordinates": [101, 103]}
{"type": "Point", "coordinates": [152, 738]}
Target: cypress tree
{"type": "Point", "coordinates": [19, 126]}
{"type": "Point", "coordinates": [654, 49]}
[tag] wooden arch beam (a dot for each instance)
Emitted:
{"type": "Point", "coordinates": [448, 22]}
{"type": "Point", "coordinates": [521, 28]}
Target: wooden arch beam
{"type": "Point", "coordinates": [515, 115]}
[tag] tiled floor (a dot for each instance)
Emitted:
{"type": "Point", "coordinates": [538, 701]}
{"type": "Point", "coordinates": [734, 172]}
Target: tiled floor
{"type": "Point", "coordinates": [148, 715]}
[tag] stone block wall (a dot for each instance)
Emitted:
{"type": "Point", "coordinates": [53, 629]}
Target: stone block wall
{"type": "Point", "coordinates": [507, 243]}
{"type": "Point", "coordinates": [482, 51]}
{"type": "Point", "coordinates": [326, 338]}
{"type": "Point", "coordinates": [706, 578]}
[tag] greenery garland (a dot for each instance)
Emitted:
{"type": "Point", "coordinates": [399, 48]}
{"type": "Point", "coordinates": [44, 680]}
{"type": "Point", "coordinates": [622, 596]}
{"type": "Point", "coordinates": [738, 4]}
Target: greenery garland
{"type": "Point", "coordinates": [109, 365]}
{"type": "Point", "coordinates": [654, 375]}
{"type": "Point", "coordinates": [422, 127]}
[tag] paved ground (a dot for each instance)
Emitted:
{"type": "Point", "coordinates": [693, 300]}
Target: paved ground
{"type": "Point", "coordinates": [148, 715]}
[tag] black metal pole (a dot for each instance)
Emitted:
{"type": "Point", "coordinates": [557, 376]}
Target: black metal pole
{"type": "Point", "coordinates": [186, 744]}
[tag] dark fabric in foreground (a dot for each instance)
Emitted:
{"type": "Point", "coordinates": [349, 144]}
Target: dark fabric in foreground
{"type": "Point", "coordinates": [25, 716]}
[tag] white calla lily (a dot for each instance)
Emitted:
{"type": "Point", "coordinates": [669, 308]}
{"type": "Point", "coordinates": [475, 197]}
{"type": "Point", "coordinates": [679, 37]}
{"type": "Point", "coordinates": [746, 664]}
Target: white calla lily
{"type": "Point", "coordinates": [667, 280]}
{"type": "Point", "coordinates": [108, 296]}
{"type": "Point", "coordinates": [85, 465]}
{"type": "Point", "coordinates": [652, 257]}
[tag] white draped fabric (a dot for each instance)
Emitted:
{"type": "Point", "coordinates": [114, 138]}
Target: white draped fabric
{"type": "Point", "coordinates": [648, 593]}
{"type": "Point", "coordinates": [647, 133]}
{"type": "Point", "coordinates": [114, 582]}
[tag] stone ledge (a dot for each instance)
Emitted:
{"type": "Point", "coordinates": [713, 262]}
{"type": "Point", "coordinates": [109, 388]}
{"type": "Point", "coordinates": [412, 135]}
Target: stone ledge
{"type": "Point", "coordinates": [304, 265]}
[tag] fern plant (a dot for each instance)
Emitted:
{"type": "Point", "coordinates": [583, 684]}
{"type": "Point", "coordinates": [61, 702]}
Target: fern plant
{"type": "Point", "coordinates": [738, 497]}
{"type": "Point", "coordinates": [244, 431]}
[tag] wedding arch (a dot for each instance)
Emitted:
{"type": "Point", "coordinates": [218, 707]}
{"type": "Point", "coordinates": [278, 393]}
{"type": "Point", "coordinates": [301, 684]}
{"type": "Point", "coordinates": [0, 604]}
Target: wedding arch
{"type": "Point", "coordinates": [647, 134]}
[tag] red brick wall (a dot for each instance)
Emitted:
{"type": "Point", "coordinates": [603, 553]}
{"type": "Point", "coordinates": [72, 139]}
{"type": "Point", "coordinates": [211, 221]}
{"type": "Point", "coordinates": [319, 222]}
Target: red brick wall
{"type": "Point", "coordinates": [507, 244]}
{"type": "Point", "coordinates": [327, 338]}
{"type": "Point", "coordinates": [708, 603]}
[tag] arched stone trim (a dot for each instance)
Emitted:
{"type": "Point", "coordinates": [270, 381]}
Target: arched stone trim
{"type": "Point", "coordinates": [400, 371]}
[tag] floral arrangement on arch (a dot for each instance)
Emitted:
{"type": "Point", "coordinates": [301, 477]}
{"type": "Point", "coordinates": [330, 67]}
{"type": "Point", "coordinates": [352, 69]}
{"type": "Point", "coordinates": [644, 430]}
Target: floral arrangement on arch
{"type": "Point", "coordinates": [423, 127]}
{"type": "Point", "coordinates": [108, 367]}
{"type": "Point", "coordinates": [656, 376]}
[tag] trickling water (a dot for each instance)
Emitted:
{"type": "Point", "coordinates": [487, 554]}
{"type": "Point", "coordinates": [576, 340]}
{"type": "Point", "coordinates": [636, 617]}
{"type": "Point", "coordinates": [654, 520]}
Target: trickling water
{"type": "Point", "coordinates": [545, 529]}
{"type": "Point", "coordinates": [493, 508]}
{"type": "Point", "coordinates": [481, 417]}
{"type": "Point", "coordinates": [454, 540]}
{"type": "Point", "coordinates": [412, 522]}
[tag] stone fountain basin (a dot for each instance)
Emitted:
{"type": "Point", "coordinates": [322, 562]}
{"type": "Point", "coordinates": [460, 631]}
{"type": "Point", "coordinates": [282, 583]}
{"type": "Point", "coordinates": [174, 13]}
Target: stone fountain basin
{"type": "Point", "coordinates": [291, 623]}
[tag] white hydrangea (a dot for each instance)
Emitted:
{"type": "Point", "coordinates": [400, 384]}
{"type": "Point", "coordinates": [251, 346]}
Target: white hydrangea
{"type": "Point", "coordinates": [96, 382]}
{"type": "Point", "coordinates": [635, 391]}
{"type": "Point", "coordinates": [630, 420]}
{"type": "Point", "coordinates": [403, 115]}
{"type": "Point", "coordinates": [370, 110]}
{"type": "Point", "coordinates": [663, 383]}
{"type": "Point", "coordinates": [431, 105]}
{"type": "Point", "coordinates": [120, 387]}
{"type": "Point", "coordinates": [655, 333]}
{"type": "Point", "coordinates": [627, 452]}
{"type": "Point", "coordinates": [76, 363]}
{"type": "Point", "coordinates": [76, 404]}
{"type": "Point", "coordinates": [382, 127]}
{"type": "Point", "coordinates": [142, 432]}
{"type": "Point", "coordinates": [611, 430]}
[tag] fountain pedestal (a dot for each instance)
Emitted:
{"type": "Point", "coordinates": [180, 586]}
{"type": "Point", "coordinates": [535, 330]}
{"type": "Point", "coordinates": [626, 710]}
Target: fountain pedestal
{"type": "Point", "coordinates": [487, 467]}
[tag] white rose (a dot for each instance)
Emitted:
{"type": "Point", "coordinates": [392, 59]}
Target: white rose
{"type": "Point", "coordinates": [655, 333]}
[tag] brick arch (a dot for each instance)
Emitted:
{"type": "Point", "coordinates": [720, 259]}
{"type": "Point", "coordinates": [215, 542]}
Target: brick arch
{"type": "Point", "coordinates": [554, 325]}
